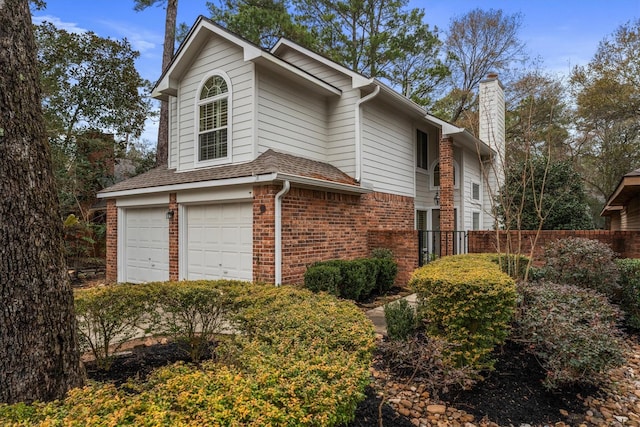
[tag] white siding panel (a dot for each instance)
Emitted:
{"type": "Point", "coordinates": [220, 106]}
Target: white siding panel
{"type": "Point", "coordinates": [218, 54]}
{"type": "Point", "coordinates": [290, 120]}
{"type": "Point", "coordinates": [387, 155]}
{"type": "Point", "coordinates": [173, 133]}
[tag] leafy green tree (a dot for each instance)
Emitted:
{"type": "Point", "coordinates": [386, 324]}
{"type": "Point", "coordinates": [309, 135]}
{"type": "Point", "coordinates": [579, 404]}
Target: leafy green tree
{"type": "Point", "coordinates": [92, 97]}
{"type": "Point", "coordinates": [607, 93]}
{"type": "Point", "coordinates": [378, 38]}
{"type": "Point", "coordinates": [39, 357]}
{"type": "Point", "coordinates": [262, 22]}
{"type": "Point", "coordinates": [539, 193]}
{"type": "Point", "coordinates": [168, 47]}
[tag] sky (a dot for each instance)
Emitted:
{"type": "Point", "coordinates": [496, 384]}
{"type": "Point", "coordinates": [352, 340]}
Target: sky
{"type": "Point", "coordinates": [562, 33]}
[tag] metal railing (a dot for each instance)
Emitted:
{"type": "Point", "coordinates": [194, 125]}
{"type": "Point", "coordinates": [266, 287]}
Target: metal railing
{"type": "Point", "coordinates": [433, 244]}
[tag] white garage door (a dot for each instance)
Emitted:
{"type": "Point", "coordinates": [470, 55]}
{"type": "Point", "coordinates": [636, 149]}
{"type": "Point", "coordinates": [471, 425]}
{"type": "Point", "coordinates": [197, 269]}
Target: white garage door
{"type": "Point", "coordinates": [146, 257]}
{"type": "Point", "coordinates": [219, 242]}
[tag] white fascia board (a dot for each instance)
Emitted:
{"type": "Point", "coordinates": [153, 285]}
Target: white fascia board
{"type": "Point", "coordinates": [167, 85]}
{"type": "Point", "coordinates": [191, 186]}
{"type": "Point", "coordinates": [256, 179]}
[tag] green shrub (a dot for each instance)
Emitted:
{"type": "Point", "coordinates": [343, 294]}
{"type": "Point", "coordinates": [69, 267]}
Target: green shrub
{"type": "Point", "coordinates": [192, 312]}
{"type": "Point", "coordinates": [571, 330]}
{"type": "Point", "coordinates": [469, 302]}
{"type": "Point", "coordinates": [583, 263]}
{"type": "Point", "coordinates": [371, 267]}
{"type": "Point", "coordinates": [629, 282]}
{"type": "Point", "coordinates": [301, 360]}
{"type": "Point", "coordinates": [357, 277]}
{"type": "Point", "coordinates": [109, 316]}
{"type": "Point", "coordinates": [387, 269]}
{"type": "Point", "coordinates": [323, 278]}
{"type": "Point", "coordinates": [401, 319]}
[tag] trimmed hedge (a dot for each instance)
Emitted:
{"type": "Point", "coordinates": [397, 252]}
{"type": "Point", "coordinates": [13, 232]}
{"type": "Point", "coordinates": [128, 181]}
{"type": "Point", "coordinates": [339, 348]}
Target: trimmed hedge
{"type": "Point", "coordinates": [352, 279]}
{"type": "Point", "coordinates": [469, 302]}
{"type": "Point", "coordinates": [300, 359]}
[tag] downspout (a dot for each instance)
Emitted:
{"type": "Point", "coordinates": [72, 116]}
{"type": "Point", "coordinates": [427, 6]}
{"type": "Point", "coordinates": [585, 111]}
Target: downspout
{"type": "Point", "coordinates": [361, 101]}
{"type": "Point", "coordinates": [278, 249]}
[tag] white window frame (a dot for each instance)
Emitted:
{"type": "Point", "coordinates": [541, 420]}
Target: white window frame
{"type": "Point", "coordinates": [479, 199]}
{"type": "Point", "coordinates": [473, 213]}
{"type": "Point", "coordinates": [198, 103]}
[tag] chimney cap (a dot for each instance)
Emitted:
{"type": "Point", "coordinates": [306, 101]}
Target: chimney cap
{"type": "Point", "coordinates": [492, 75]}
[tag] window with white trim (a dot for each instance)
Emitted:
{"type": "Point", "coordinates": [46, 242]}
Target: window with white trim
{"type": "Point", "coordinates": [475, 191]}
{"type": "Point", "coordinates": [475, 221]}
{"type": "Point", "coordinates": [421, 220]}
{"type": "Point", "coordinates": [213, 119]}
{"type": "Point", "coordinates": [422, 149]}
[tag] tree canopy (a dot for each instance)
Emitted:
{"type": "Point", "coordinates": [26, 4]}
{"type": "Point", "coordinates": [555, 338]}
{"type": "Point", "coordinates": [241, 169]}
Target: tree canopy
{"type": "Point", "coordinates": [607, 93]}
{"type": "Point", "coordinates": [93, 101]}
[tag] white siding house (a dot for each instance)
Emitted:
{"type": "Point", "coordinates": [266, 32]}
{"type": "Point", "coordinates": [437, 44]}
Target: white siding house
{"type": "Point", "coordinates": [282, 158]}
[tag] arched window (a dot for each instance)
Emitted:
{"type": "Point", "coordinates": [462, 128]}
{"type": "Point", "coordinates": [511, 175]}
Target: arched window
{"type": "Point", "coordinates": [436, 175]}
{"type": "Point", "coordinates": [213, 119]}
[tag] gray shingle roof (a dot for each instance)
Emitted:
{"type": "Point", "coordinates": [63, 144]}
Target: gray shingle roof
{"type": "Point", "coordinates": [268, 162]}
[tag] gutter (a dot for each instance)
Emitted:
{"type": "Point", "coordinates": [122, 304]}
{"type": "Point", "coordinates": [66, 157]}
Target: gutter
{"type": "Point", "coordinates": [278, 225]}
{"type": "Point", "coordinates": [358, 131]}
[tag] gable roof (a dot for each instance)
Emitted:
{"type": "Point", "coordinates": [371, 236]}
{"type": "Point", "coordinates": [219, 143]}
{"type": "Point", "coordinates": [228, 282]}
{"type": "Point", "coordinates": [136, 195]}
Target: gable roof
{"type": "Point", "coordinates": [200, 33]}
{"type": "Point", "coordinates": [269, 166]}
{"type": "Point", "coordinates": [628, 188]}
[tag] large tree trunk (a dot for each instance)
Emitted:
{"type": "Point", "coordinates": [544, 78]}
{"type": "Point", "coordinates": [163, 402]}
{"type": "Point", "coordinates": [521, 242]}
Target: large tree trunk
{"type": "Point", "coordinates": [162, 148]}
{"type": "Point", "coordinates": [39, 357]}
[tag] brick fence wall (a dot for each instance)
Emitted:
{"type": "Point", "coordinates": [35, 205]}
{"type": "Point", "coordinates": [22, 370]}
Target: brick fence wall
{"type": "Point", "coordinates": [624, 243]}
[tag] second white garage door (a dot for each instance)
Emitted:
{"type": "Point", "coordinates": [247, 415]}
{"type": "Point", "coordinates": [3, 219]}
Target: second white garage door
{"type": "Point", "coordinates": [219, 241]}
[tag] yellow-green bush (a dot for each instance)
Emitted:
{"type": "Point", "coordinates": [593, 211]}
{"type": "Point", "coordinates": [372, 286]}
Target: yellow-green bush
{"type": "Point", "coordinates": [301, 360]}
{"type": "Point", "coordinates": [108, 316]}
{"type": "Point", "coordinates": [468, 301]}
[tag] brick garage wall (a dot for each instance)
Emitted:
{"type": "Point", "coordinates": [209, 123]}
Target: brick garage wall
{"type": "Point", "coordinates": [321, 225]}
{"type": "Point", "coordinates": [264, 233]}
{"type": "Point", "coordinates": [173, 238]}
{"type": "Point", "coordinates": [625, 243]}
{"type": "Point", "coordinates": [112, 242]}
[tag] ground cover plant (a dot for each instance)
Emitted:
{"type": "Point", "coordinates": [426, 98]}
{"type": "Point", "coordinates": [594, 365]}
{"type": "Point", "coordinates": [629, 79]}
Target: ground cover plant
{"type": "Point", "coordinates": [299, 359]}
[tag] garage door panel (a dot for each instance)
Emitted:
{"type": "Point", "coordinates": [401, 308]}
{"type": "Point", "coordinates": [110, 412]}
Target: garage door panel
{"type": "Point", "coordinates": [223, 246]}
{"type": "Point", "coordinates": [146, 256]}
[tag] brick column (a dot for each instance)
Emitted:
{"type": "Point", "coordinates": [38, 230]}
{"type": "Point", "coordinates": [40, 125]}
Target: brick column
{"type": "Point", "coordinates": [447, 213]}
{"type": "Point", "coordinates": [264, 233]}
{"type": "Point", "coordinates": [112, 242]}
{"type": "Point", "coordinates": [173, 239]}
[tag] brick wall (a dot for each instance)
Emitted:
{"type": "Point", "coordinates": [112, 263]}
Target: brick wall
{"type": "Point", "coordinates": [173, 238]}
{"type": "Point", "coordinates": [112, 242]}
{"type": "Point", "coordinates": [321, 225]}
{"type": "Point", "coordinates": [625, 243]}
{"type": "Point", "coordinates": [404, 245]}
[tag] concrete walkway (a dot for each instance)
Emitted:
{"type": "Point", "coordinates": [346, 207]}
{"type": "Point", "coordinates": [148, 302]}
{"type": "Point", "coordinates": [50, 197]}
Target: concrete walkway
{"type": "Point", "coordinates": [376, 315]}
